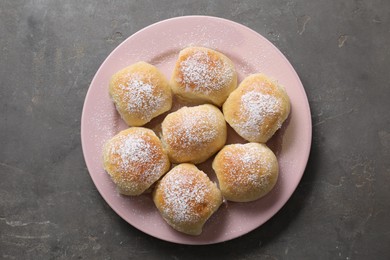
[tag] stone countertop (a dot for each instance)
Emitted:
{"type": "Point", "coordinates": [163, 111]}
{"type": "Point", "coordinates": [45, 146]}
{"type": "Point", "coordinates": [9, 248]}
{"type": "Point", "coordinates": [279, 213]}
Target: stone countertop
{"type": "Point", "coordinates": [49, 53]}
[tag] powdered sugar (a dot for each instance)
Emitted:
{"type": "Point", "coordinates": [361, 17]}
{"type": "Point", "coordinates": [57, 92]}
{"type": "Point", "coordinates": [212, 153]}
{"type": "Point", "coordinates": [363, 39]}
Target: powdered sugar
{"type": "Point", "coordinates": [253, 166]}
{"type": "Point", "coordinates": [183, 192]}
{"type": "Point", "coordinates": [134, 150]}
{"type": "Point", "coordinates": [139, 156]}
{"type": "Point", "coordinates": [103, 129]}
{"type": "Point", "coordinates": [194, 130]}
{"type": "Point", "coordinates": [143, 98]}
{"type": "Point", "coordinates": [255, 106]}
{"type": "Point", "coordinates": [202, 73]}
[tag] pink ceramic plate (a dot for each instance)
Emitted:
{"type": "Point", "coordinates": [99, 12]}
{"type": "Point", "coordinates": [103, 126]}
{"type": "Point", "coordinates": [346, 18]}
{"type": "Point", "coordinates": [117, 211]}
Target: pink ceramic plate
{"type": "Point", "coordinates": [159, 44]}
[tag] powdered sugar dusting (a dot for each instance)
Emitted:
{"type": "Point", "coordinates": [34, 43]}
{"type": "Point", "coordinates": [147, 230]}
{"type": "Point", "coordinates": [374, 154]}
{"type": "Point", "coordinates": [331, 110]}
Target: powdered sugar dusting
{"type": "Point", "coordinates": [105, 124]}
{"type": "Point", "coordinates": [133, 150]}
{"type": "Point", "coordinates": [255, 107]}
{"type": "Point", "coordinates": [252, 166]}
{"type": "Point", "coordinates": [183, 193]}
{"type": "Point", "coordinates": [193, 131]}
{"type": "Point", "coordinates": [142, 97]}
{"type": "Point", "coordinates": [136, 155]}
{"type": "Point", "coordinates": [202, 73]}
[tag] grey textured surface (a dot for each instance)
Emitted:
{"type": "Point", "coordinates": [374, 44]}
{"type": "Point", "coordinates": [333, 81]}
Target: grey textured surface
{"type": "Point", "coordinates": [49, 52]}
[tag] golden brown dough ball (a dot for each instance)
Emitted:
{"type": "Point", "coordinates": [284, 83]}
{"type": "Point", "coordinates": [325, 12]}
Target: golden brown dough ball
{"type": "Point", "coordinates": [257, 108]}
{"type": "Point", "coordinates": [193, 134]}
{"type": "Point", "coordinates": [246, 172]}
{"type": "Point", "coordinates": [135, 159]}
{"type": "Point", "coordinates": [202, 75]}
{"type": "Point", "coordinates": [140, 93]}
{"type": "Point", "coordinates": [186, 198]}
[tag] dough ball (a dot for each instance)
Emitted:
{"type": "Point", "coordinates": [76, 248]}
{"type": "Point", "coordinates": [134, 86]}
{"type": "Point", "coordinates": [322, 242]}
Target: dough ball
{"type": "Point", "coordinates": [186, 198]}
{"type": "Point", "coordinates": [257, 108]}
{"type": "Point", "coordinates": [193, 134]}
{"type": "Point", "coordinates": [135, 159]}
{"type": "Point", "coordinates": [246, 172]}
{"type": "Point", "coordinates": [140, 93]}
{"type": "Point", "coordinates": [202, 75]}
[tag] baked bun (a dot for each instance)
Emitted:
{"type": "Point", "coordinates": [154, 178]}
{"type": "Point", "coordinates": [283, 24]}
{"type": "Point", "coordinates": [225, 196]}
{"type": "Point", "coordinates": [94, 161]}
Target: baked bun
{"type": "Point", "coordinates": [257, 108]}
{"type": "Point", "coordinates": [193, 134]}
{"type": "Point", "coordinates": [135, 159]}
{"type": "Point", "coordinates": [140, 93]}
{"type": "Point", "coordinates": [203, 75]}
{"type": "Point", "coordinates": [186, 198]}
{"type": "Point", "coordinates": [246, 172]}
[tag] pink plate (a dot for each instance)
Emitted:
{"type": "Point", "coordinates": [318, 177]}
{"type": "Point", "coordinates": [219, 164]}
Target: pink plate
{"type": "Point", "coordinates": [159, 44]}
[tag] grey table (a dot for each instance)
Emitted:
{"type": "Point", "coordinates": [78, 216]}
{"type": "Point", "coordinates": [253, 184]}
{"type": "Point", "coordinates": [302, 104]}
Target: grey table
{"type": "Point", "coordinates": [49, 52]}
